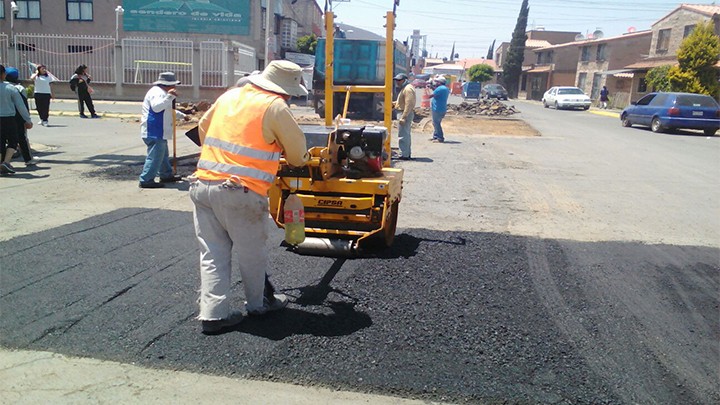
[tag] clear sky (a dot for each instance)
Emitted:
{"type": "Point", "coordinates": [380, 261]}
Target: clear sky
{"type": "Point", "coordinates": [473, 24]}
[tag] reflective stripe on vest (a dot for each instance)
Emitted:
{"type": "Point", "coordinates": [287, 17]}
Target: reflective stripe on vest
{"type": "Point", "coordinates": [242, 150]}
{"type": "Point", "coordinates": [234, 144]}
{"type": "Point", "coordinates": [236, 170]}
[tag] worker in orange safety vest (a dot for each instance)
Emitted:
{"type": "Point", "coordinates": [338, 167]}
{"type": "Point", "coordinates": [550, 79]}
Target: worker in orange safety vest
{"type": "Point", "coordinates": [243, 136]}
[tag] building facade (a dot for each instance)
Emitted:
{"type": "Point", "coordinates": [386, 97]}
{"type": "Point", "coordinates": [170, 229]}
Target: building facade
{"type": "Point", "coordinates": [667, 36]}
{"type": "Point", "coordinates": [231, 31]}
{"type": "Point", "coordinates": [588, 64]}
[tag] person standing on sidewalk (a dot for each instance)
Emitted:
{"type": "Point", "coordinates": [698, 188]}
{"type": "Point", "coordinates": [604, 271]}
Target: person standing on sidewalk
{"type": "Point", "coordinates": [156, 127]}
{"type": "Point", "coordinates": [12, 76]}
{"type": "Point", "coordinates": [10, 103]}
{"type": "Point", "coordinates": [243, 136]}
{"type": "Point", "coordinates": [43, 92]}
{"type": "Point", "coordinates": [406, 104]}
{"type": "Point", "coordinates": [439, 108]}
{"type": "Point", "coordinates": [80, 82]}
{"type": "Point", "coordinates": [604, 97]}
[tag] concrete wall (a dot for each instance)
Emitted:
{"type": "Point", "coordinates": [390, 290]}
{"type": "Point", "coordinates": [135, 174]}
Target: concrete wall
{"type": "Point", "coordinates": [53, 20]}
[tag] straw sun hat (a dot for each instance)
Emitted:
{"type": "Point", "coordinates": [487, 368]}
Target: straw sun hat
{"type": "Point", "coordinates": [282, 77]}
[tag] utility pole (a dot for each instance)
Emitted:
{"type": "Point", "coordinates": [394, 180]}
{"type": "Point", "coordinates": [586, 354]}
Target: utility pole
{"type": "Point", "coordinates": [269, 31]}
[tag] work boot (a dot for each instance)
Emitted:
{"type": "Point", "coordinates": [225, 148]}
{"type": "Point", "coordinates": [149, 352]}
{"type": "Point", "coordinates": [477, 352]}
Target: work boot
{"type": "Point", "coordinates": [277, 302]}
{"type": "Point", "coordinates": [151, 184]}
{"type": "Point", "coordinates": [171, 179]}
{"type": "Point", "coordinates": [219, 326]}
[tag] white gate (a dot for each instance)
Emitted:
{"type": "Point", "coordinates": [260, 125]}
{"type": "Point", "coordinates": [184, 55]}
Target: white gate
{"type": "Point", "coordinates": [62, 54]}
{"type": "Point", "coordinates": [213, 64]}
{"type": "Point", "coordinates": [4, 45]}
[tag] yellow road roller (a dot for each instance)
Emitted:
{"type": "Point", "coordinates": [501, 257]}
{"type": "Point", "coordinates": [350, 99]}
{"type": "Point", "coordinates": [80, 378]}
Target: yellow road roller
{"type": "Point", "coordinates": [349, 190]}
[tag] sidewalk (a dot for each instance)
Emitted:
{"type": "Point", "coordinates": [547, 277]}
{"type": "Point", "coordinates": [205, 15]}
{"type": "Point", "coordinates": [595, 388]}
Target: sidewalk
{"type": "Point", "coordinates": [28, 377]}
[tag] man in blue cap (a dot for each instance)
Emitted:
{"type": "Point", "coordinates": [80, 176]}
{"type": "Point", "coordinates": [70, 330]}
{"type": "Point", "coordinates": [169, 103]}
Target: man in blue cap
{"type": "Point", "coordinates": [12, 76]}
{"type": "Point", "coordinates": [10, 103]}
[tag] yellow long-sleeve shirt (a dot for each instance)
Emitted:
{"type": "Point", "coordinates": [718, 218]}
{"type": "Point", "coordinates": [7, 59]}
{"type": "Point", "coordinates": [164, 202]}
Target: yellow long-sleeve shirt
{"type": "Point", "coordinates": [406, 101]}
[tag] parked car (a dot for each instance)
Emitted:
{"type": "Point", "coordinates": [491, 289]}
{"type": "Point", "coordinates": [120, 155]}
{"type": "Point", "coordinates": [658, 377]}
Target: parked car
{"type": "Point", "coordinates": [471, 90]}
{"type": "Point", "coordinates": [565, 97]}
{"type": "Point", "coordinates": [494, 91]}
{"type": "Point", "coordinates": [663, 111]}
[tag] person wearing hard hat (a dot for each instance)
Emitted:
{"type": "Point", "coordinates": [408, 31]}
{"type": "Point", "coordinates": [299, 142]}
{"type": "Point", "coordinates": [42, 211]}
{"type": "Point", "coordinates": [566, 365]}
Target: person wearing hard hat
{"type": "Point", "coordinates": [10, 102]}
{"type": "Point", "coordinates": [406, 104]}
{"type": "Point", "coordinates": [243, 136]}
{"type": "Point", "coordinates": [439, 108]}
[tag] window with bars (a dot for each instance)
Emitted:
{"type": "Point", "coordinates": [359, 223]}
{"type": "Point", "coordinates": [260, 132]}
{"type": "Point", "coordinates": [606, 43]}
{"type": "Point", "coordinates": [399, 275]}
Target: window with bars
{"type": "Point", "coordinates": [28, 9]}
{"type": "Point", "coordinates": [79, 10]}
{"type": "Point", "coordinates": [600, 54]}
{"type": "Point", "coordinates": [663, 41]}
{"type": "Point", "coordinates": [688, 30]}
{"type": "Point", "coordinates": [288, 34]}
{"type": "Point", "coordinates": [585, 54]}
{"type": "Point", "coordinates": [582, 79]}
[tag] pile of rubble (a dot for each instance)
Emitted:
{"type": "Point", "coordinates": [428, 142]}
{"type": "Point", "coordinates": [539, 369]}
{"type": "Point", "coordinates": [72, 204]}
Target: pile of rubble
{"type": "Point", "coordinates": [192, 108]}
{"type": "Point", "coordinates": [491, 107]}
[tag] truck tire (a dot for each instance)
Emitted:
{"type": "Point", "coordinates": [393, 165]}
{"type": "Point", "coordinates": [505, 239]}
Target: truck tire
{"type": "Point", "coordinates": [378, 113]}
{"type": "Point", "coordinates": [320, 109]}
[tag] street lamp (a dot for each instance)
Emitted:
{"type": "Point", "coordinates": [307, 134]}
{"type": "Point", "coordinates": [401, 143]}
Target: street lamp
{"type": "Point", "coordinates": [118, 12]}
{"type": "Point", "coordinates": [13, 13]}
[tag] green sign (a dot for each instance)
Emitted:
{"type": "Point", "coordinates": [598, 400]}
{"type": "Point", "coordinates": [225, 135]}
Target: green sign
{"type": "Point", "coordinates": [230, 17]}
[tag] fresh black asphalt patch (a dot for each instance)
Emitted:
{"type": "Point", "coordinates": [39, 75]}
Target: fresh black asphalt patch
{"type": "Point", "coordinates": [446, 316]}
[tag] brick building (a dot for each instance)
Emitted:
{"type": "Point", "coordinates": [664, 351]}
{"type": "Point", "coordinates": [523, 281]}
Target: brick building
{"type": "Point", "coordinates": [667, 35]}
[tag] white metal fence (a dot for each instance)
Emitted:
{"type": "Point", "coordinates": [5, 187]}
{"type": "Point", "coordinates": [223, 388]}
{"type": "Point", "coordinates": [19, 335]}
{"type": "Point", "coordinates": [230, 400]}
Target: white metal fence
{"type": "Point", "coordinates": [142, 59]}
{"type": "Point", "coordinates": [4, 46]}
{"type": "Point", "coordinates": [63, 54]}
{"type": "Point", "coordinates": [145, 58]}
{"type": "Point", "coordinates": [213, 64]}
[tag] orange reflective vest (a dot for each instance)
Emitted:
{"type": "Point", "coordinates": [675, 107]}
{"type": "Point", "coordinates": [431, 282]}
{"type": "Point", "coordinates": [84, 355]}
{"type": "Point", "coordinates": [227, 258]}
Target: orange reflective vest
{"type": "Point", "coordinates": [234, 143]}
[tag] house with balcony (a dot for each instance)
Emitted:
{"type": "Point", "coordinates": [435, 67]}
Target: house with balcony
{"type": "Point", "coordinates": [667, 35]}
{"type": "Point", "coordinates": [536, 39]}
{"type": "Point", "coordinates": [585, 63]}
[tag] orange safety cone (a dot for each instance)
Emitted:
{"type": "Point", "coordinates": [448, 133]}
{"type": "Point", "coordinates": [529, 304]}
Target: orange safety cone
{"type": "Point", "coordinates": [425, 102]}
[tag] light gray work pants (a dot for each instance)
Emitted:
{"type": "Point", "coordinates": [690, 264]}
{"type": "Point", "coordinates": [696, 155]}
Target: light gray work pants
{"type": "Point", "coordinates": [227, 217]}
{"type": "Point", "coordinates": [404, 141]}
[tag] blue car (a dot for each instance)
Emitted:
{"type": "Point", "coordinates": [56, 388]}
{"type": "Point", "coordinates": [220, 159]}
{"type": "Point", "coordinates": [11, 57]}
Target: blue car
{"type": "Point", "coordinates": [666, 111]}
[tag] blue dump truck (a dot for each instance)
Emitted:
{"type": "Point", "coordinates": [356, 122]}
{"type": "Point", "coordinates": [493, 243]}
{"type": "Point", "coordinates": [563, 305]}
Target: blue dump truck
{"type": "Point", "coordinates": [357, 62]}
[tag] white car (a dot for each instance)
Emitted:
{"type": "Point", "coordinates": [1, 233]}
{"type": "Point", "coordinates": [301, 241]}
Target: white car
{"type": "Point", "coordinates": [565, 97]}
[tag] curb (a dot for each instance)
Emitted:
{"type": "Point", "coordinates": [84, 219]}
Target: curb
{"type": "Point", "coordinates": [101, 114]}
{"type": "Point", "coordinates": [605, 113]}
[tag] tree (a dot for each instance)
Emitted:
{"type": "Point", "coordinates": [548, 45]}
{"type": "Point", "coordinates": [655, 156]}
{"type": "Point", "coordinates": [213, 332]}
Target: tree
{"type": "Point", "coordinates": [657, 78]}
{"type": "Point", "coordinates": [512, 66]}
{"type": "Point", "coordinates": [480, 73]}
{"type": "Point", "coordinates": [307, 44]}
{"type": "Point", "coordinates": [697, 56]}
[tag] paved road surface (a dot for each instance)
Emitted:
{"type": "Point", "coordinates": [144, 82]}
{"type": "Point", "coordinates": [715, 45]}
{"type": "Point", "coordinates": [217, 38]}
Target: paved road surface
{"type": "Point", "coordinates": [503, 286]}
